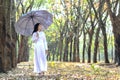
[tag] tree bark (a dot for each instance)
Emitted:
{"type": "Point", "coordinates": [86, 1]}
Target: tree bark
{"type": "Point", "coordinates": [71, 42]}
{"type": "Point", "coordinates": [76, 46]}
{"type": "Point", "coordinates": [91, 32]}
{"type": "Point", "coordinates": [78, 55]}
{"type": "Point", "coordinates": [74, 52]}
{"type": "Point", "coordinates": [61, 46]}
{"type": "Point", "coordinates": [96, 44]}
{"type": "Point", "coordinates": [23, 54]}
{"type": "Point", "coordinates": [115, 20]}
{"type": "Point", "coordinates": [105, 42]}
{"type": "Point", "coordinates": [7, 36]}
{"type": "Point", "coordinates": [84, 47]}
{"type": "Point", "coordinates": [65, 58]}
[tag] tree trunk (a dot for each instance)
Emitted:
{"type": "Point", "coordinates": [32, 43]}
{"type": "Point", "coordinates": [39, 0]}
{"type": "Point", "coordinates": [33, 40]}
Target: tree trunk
{"type": "Point", "coordinates": [117, 48]}
{"type": "Point", "coordinates": [112, 54]}
{"type": "Point", "coordinates": [96, 45]}
{"type": "Point", "coordinates": [74, 52]}
{"type": "Point", "coordinates": [61, 47]}
{"type": "Point", "coordinates": [91, 32]}
{"type": "Point", "coordinates": [105, 41]}
{"type": "Point", "coordinates": [65, 58]}
{"type": "Point", "coordinates": [89, 49]}
{"type": "Point", "coordinates": [7, 36]}
{"type": "Point", "coordinates": [53, 58]}
{"type": "Point", "coordinates": [77, 55]}
{"type": "Point", "coordinates": [84, 47]}
{"type": "Point", "coordinates": [71, 42]}
{"type": "Point", "coordinates": [99, 56]}
{"type": "Point", "coordinates": [116, 30]}
{"type": "Point", "coordinates": [90, 44]}
{"type": "Point", "coordinates": [23, 54]}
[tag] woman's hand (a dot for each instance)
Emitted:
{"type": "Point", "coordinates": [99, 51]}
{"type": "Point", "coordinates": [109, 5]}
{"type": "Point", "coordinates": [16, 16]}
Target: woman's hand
{"type": "Point", "coordinates": [37, 35]}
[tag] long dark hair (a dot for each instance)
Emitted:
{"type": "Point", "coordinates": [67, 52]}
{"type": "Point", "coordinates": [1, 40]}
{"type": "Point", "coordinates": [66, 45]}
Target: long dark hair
{"type": "Point", "coordinates": [36, 27]}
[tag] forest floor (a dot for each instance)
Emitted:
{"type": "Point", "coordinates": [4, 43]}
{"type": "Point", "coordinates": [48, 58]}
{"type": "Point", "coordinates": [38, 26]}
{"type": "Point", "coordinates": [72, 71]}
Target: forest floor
{"type": "Point", "coordinates": [65, 71]}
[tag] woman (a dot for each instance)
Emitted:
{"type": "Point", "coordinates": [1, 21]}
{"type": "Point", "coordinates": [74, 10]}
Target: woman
{"type": "Point", "coordinates": [40, 49]}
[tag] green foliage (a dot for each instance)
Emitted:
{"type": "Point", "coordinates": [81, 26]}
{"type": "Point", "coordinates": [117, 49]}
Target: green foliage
{"type": "Point", "coordinates": [38, 3]}
{"type": "Point", "coordinates": [95, 70]}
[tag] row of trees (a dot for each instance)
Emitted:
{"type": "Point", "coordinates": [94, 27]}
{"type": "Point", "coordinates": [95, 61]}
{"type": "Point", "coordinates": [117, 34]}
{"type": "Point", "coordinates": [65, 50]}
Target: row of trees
{"type": "Point", "coordinates": [80, 32]}
{"type": "Point", "coordinates": [87, 20]}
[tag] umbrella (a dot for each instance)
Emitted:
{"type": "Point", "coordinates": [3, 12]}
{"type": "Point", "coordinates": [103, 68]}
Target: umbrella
{"type": "Point", "coordinates": [26, 22]}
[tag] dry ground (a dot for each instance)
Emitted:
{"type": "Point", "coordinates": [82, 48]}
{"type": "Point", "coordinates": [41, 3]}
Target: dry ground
{"type": "Point", "coordinates": [65, 71]}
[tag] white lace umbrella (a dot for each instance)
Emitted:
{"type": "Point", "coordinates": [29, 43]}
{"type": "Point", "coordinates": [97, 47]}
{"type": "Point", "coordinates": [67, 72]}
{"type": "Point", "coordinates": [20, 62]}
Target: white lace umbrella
{"type": "Point", "coordinates": [25, 24]}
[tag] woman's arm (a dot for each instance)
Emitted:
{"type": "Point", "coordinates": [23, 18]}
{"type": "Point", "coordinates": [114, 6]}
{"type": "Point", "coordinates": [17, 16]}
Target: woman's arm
{"type": "Point", "coordinates": [35, 37]}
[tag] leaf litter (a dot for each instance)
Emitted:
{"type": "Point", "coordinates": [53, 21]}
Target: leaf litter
{"type": "Point", "coordinates": [64, 71]}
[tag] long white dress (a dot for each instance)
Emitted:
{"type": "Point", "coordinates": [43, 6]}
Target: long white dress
{"type": "Point", "coordinates": [40, 45]}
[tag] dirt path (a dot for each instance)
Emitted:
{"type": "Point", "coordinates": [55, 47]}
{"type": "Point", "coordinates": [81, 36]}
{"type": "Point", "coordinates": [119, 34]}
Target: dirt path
{"type": "Point", "coordinates": [64, 71]}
